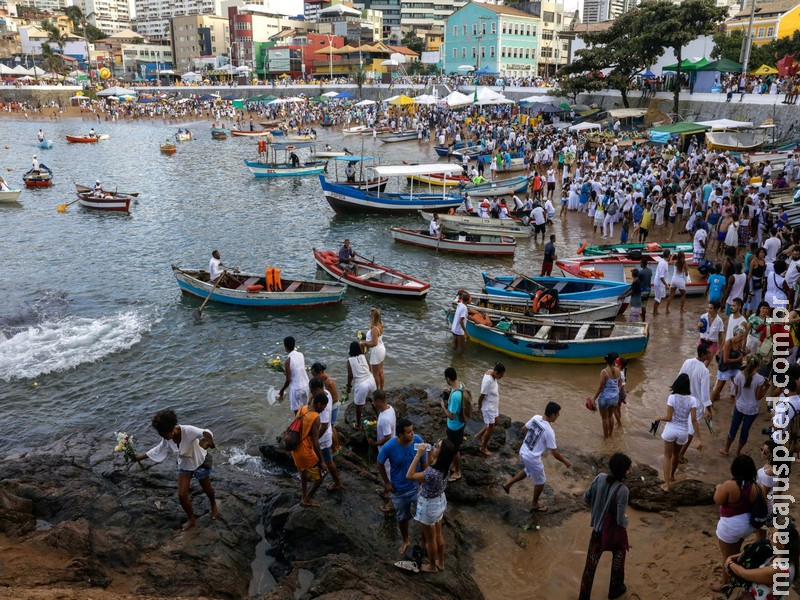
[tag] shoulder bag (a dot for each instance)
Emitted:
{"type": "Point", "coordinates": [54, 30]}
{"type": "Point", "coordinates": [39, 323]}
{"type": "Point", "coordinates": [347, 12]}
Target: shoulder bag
{"type": "Point", "coordinates": [613, 537]}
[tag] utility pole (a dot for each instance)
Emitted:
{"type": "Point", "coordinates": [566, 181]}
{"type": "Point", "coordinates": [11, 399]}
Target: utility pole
{"type": "Point", "coordinates": [748, 43]}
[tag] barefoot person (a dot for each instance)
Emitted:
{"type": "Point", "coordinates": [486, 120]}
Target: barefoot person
{"type": "Point", "coordinates": [539, 438]}
{"type": "Point", "coordinates": [308, 456]}
{"type": "Point", "coordinates": [317, 390]}
{"type": "Point", "coordinates": [431, 501]}
{"type": "Point", "coordinates": [459, 326]}
{"type": "Point", "coordinates": [607, 396]}
{"type": "Point", "coordinates": [191, 444]}
{"type": "Point", "coordinates": [377, 351]}
{"type": "Point", "coordinates": [400, 453]}
{"type": "Point", "coordinates": [294, 370]}
{"type": "Point", "coordinates": [456, 419]}
{"type": "Point", "coordinates": [682, 409]}
{"type": "Point", "coordinates": [489, 405]}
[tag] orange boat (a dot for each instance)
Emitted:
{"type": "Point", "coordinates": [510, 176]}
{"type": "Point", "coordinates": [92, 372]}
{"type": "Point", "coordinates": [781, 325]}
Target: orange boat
{"type": "Point", "coordinates": [168, 148]}
{"type": "Point", "coordinates": [82, 139]}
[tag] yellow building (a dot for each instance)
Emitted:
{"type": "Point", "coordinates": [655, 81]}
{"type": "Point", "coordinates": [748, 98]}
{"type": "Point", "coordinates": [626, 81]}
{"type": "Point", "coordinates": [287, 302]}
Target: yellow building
{"type": "Point", "coordinates": [772, 20]}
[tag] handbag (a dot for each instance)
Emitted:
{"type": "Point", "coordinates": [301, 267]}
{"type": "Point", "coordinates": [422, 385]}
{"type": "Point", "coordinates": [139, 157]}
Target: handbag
{"type": "Point", "coordinates": [613, 537]}
{"type": "Point", "coordinates": [764, 351]}
{"type": "Point", "coordinates": [759, 512]}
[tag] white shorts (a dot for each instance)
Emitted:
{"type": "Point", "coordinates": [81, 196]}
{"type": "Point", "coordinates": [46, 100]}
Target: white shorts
{"type": "Point", "coordinates": [534, 468]}
{"type": "Point", "coordinates": [679, 283]}
{"type": "Point", "coordinates": [362, 390]}
{"type": "Point", "coordinates": [659, 292]}
{"type": "Point", "coordinates": [673, 434]}
{"type": "Point", "coordinates": [298, 399]}
{"type": "Point", "coordinates": [489, 416]}
{"type": "Point", "coordinates": [377, 355]}
{"type": "Point", "coordinates": [733, 530]}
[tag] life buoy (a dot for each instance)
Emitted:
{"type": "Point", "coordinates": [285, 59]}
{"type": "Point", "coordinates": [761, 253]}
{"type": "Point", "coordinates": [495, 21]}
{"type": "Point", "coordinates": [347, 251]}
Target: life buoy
{"type": "Point", "coordinates": [254, 289]}
{"type": "Point", "coordinates": [653, 247]}
{"type": "Point", "coordinates": [582, 248]}
{"type": "Point", "coordinates": [289, 148]}
{"type": "Point", "coordinates": [547, 301]}
{"type": "Point", "coordinates": [536, 298]}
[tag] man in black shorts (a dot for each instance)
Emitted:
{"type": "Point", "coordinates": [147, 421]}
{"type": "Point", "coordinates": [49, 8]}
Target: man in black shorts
{"type": "Point", "coordinates": [456, 421]}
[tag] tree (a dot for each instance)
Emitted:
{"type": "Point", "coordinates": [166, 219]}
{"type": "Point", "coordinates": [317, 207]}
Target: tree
{"type": "Point", "coordinates": [675, 25]}
{"type": "Point", "coordinates": [728, 45]}
{"type": "Point", "coordinates": [359, 76]}
{"type": "Point", "coordinates": [412, 42]}
{"type": "Point", "coordinates": [82, 26]}
{"type": "Point", "coordinates": [571, 86]}
{"type": "Point", "coordinates": [51, 60]}
{"type": "Point", "coordinates": [627, 47]}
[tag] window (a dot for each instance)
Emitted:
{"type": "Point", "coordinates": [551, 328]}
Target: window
{"type": "Point", "coordinates": [514, 53]}
{"type": "Point", "coordinates": [547, 35]}
{"type": "Point", "coordinates": [527, 52]}
{"type": "Point", "coordinates": [505, 27]}
{"type": "Point", "coordinates": [761, 32]}
{"type": "Point", "coordinates": [474, 29]}
{"type": "Point", "coordinates": [483, 28]}
{"type": "Point", "coordinates": [770, 32]}
{"type": "Point", "coordinates": [463, 53]}
{"type": "Point", "coordinates": [474, 52]}
{"type": "Point", "coordinates": [491, 51]}
{"type": "Point", "coordinates": [533, 30]}
{"type": "Point", "coordinates": [455, 31]}
{"type": "Point", "coordinates": [464, 29]}
{"type": "Point", "coordinates": [548, 16]}
{"type": "Point", "coordinates": [455, 55]}
{"type": "Point", "coordinates": [516, 29]}
{"type": "Point", "coordinates": [483, 52]}
{"type": "Point", "coordinates": [494, 27]}
{"type": "Point", "coordinates": [503, 51]}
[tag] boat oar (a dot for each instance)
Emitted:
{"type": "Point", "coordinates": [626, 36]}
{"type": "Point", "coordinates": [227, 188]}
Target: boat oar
{"type": "Point", "coordinates": [198, 313]}
{"type": "Point", "coordinates": [63, 207]}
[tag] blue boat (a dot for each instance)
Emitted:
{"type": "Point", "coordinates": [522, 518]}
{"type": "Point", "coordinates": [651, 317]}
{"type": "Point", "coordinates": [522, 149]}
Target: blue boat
{"type": "Point", "coordinates": [46, 144]}
{"type": "Point", "coordinates": [444, 151]}
{"type": "Point", "coordinates": [347, 199]}
{"type": "Point", "coordinates": [249, 290]}
{"type": "Point", "coordinates": [498, 187]}
{"type": "Point", "coordinates": [268, 164]}
{"type": "Point", "coordinates": [566, 288]}
{"type": "Point", "coordinates": [557, 341]}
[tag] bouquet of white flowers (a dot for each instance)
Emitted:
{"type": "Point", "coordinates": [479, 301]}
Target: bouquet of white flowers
{"type": "Point", "coordinates": [125, 445]}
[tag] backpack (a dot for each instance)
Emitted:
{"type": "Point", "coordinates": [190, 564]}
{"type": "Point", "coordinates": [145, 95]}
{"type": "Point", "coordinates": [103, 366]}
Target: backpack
{"type": "Point", "coordinates": [292, 435]}
{"type": "Point", "coordinates": [753, 556]}
{"type": "Point", "coordinates": [612, 208]}
{"type": "Point", "coordinates": [759, 514]}
{"type": "Point", "coordinates": [466, 405]}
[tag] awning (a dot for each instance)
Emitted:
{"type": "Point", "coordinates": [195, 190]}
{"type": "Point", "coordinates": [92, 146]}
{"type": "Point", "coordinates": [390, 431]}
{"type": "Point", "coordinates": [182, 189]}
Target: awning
{"type": "Point", "coordinates": [625, 113]}
{"type": "Point", "coordinates": [291, 145]}
{"type": "Point", "coordinates": [682, 127]}
{"type": "Point", "coordinates": [584, 126]}
{"type": "Point", "coordinates": [725, 124]}
{"type": "Point", "coordinates": [404, 170]}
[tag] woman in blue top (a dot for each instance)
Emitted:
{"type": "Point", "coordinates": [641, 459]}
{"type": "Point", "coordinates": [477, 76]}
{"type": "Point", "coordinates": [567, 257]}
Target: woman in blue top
{"type": "Point", "coordinates": [607, 396]}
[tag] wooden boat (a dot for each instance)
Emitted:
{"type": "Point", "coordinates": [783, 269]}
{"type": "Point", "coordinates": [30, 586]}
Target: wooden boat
{"type": "Point", "coordinates": [618, 269]}
{"type": "Point", "coordinates": [184, 136]}
{"type": "Point", "coordinates": [737, 140]}
{"type": "Point", "coordinates": [372, 277]}
{"type": "Point", "coordinates": [399, 136]}
{"type": "Point", "coordinates": [46, 144]}
{"type": "Point", "coordinates": [9, 197]}
{"type": "Point", "coordinates": [373, 184]}
{"type": "Point", "coordinates": [498, 187]}
{"type": "Point", "coordinates": [568, 310]}
{"type": "Point", "coordinates": [168, 148]}
{"type": "Point", "coordinates": [777, 158]}
{"type": "Point", "coordinates": [357, 130]}
{"type": "Point", "coordinates": [558, 341]}
{"type": "Point", "coordinates": [330, 153]}
{"type": "Point", "coordinates": [218, 134]}
{"type": "Point", "coordinates": [42, 178]}
{"type": "Point", "coordinates": [635, 250]}
{"type": "Point", "coordinates": [471, 151]}
{"type": "Point", "coordinates": [463, 243]}
{"type": "Point", "coordinates": [83, 139]}
{"type": "Point", "coordinates": [249, 290]}
{"type": "Point", "coordinates": [566, 288]}
{"type": "Point", "coordinates": [345, 199]}
{"type": "Point", "coordinates": [268, 164]}
{"type": "Point", "coordinates": [247, 133]}
{"type": "Point", "coordinates": [108, 201]}
{"type": "Point", "coordinates": [480, 225]}
{"type": "Point", "coordinates": [433, 180]}
{"type": "Point", "coordinates": [298, 137]}
{"type": "Point", "coordinates": [444, 151]}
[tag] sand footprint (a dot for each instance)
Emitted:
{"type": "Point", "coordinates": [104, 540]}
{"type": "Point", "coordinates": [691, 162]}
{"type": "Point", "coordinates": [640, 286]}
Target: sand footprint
{"type": "Point", "coordinates": [649, 580]}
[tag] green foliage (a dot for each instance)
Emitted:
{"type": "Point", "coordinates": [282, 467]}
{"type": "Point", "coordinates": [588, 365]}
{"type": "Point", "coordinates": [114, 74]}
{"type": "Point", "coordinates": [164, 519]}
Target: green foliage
{"type": "Point", "coordinates": [728, 46]}
{"type": "Point", "coordinates": [578, 84]}
{"type": "Point", "coordinates": [51, 61]}
{"type": "Point", "coordinates": [95, 33]}
{"type": "Point", "coordinates": [82, 26]}
{"type": "Point", "coordinates": [412, 42]}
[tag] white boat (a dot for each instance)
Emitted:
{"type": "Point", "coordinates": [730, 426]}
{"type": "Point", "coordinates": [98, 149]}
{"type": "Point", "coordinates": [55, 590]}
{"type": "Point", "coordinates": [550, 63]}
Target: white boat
{"type": "Point", "coordinates": [357, 130]}
{"type": "Point", "coordinates": [399, 136]}
{"type": "Point", "coordinates": [184, 136]}
{"type": "Point", "coordinates": [776, 158]}
{"type": "Point", "coordinates": [10, 196]}
{"type": "Point", "coordinates": [454, 241]}
{"type": "Point", "coordinates": [481, 226]}
{"type": "Point", "coordinates": [737, 140]}
{"type": "Point", "coordinates": [329, 153]}
{"type": "Point", "coordinates": [565, 310]}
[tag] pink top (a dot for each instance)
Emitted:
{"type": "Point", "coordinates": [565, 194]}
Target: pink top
{"type": "Point", "coordinates": [740, 507]}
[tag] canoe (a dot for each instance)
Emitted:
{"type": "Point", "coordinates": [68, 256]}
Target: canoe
{"type": "Point", "coordinates": [260, 169]}
{"type": "Point", "coordinates": [632, 250]}
{"type": "Point", "coordinates": [566, 288]}
{"type": "Point", "coordinates": [295, 137]}
{"type": "Point", "coordinates": [400, 136]}
{"type": "Point", "coordinates": [568, 310]}
{"type": "Point", "coordinates": [9, 197]}
{"type": "Point", "coordinates": [557, 341]}
{"type": "Point", "coordinates": [247, 133]}
{"type": "Point", "coordinates": [498, 187]}
{"type": "Point", "coordinates": [432, 180]}
{"type": "Point", "coordinates": [357, 130]}
{"type": "Point", "coordinates": [372, 277]}
{"type": "Point", "coordinates": [480, 225]}
{"type": "Point", "coordinates": [168, 148]}
{"type": "Point", "coordinates": [462, 243]}
{"type": "Point", "coordinates": [329, 153]}
{"type": "Point", "coordinates": [296, 293]}
{"type": "Point", "coordinates": [471, 151]}
{"type": "Point", "coordinates": [345, 199]}
{"type": "Point", "coordinates": [82, 139]}
{"type": "Point", "coordinates": [618, 269]}
{"type": "Point", "coordinates": [218, 135]}
{"type": "Point", "coordinates": [46, 144]}
{"type": "Point", "coordinates": [108, 202]}
{"type": "Point", "coordinates": [44, 178]}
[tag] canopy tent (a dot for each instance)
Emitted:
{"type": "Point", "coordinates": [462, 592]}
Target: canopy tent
{"type": "Point", "coordinates": [426, 99]}
{"type": "Point", "coordinates": [687, 65]}
{"type": "Point", "coordinates": [484, 93]}
{"type": "Point", "coordinates": [724, 65]}
{"type": "Point", "coordinates": [484, 70]}
{"type": "Point", "coordinates": [116, 91]}
{"type": "Point", "coordinates": [4, 70]}
{"type": "Point", "coordinates": [292, 100]}
{"type": "Point", "coordinates": [147, 100]}
{"type": "Point", "coordinates": [456, 98]}
{"type": "Point", "coordinates": [405, 170]}
{"type": "Point", "coordinates": [240, 69]}
{"type": "Point", "coordinates": [206, 97]}
{"type": "Point", "coordinates": [764, 70]}
{"type": "Point", "coordinates": [648, 74]}
{"type": "Point", "coordinates": [37, 71]}
{"type": "Point", "coordinates": [25, 78]}
{"type": "Point", "coordinates": [725, 124]}
{"type": "Point", "coordinates": [365, 103]}
{"type": "Point", "coordinates": [344, 96]}
{"type": "Point", "coordinates": [20, 70]}
{"type": "Point", "coordinates": [465, 68]}
{"type": "Point", "coordinates": [326, 50]}
{"type": "Point", "coordinates": [329, 94]}
{"type": "Point", "coordinates": [627, 113]}
{"type": "Point", "coordinates": [346, 49]}
{"type": "Point", "coordinates": [538, 99]}
{"type": "Point", "coordinates": [191, 77]}
{"type": "Point", "coordinates": [584, 126]}
{"type": "Point", "coordinates": [401, 100]}
{"type": "Point", "coordinates": [682, 127]}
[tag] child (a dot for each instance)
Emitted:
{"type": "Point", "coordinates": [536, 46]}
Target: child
{"type": "Point", "coordinates": [644, 226]}
{"type": "Point", "coordinates": [626, 225]}
{"type": "Point", "coordinates": [635, 292]}
{"type": "Point", "coordinates": [716, 283]}
{"type": "Point", "coordinates": [622, 364]}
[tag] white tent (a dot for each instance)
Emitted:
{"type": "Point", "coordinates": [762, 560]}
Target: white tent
{"type": "Point", "coordinates": [291, 100]}
{"type": "Point", "coordinates": [540, 99]}
{"type": "Point", "coordinates": [725, 124]}
{"type": "Point", "coordinates": [4, 70]}
{"type": "Point", "coordinates": [330, 94]}
{"type": "Point", "coordinates": [584, 126]}
{"type": "Point", "coordinates": [488, 101]}
{"type": "Point", "coordinates": [191, 77]}
{"type": "Point", "coordinates": [426, 99]}
{"type": "Point", "coordinates": [25, 78]}
{"type": "Point", "coordinates": [243, 69]}
{"type": "Point", "coordinates": [465, 68]}
{"type": "Point", "coordinates": [363, 102]}
{"type": "Point", "coordinates": [456, 98]}
{"type": "Point", "coordinates": [37, 71]}
{"type": "Point", "coordinates": [20, 70]}
{"type": "Point", "coordinates": [117, 91]}
{"type": "Point", "coordinates": [484, 94]}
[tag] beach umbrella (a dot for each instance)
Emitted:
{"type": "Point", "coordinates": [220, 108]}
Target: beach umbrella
{"type": "Point", "coordinates": [344, 96]}
{"type": "Point", "coordinates": [401, 100]}
{"type": "Point", "coordinates": [365, 103]}
{"type": "Point", "coordinates": [465, 68]}
{"type": "Point", "coordinates": [765, 70]}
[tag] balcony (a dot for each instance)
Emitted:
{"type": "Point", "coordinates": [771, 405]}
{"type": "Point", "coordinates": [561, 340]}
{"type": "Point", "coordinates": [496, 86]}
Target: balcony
{"type": "Point", "coordinates": [341, 62]}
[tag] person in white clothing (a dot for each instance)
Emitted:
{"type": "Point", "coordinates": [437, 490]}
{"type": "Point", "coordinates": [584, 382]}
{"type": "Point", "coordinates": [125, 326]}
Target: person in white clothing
{"type": "Point", "coordinates": [215, 267]}
{"type": "Point", "coordinates": [539, 438]}
{"type": "Point", "coordinates": [710, 326]}
{"type": "Point", "coordinates": [459, 326]}
{"type": "Point", "coordinates": [294, 370]}
{"type": "Point", "coordinates": [489, 405]}
{"type": "Point", "coordinates": [772, 245]}
{"type": "Point", "coordinates": [35, 164]}
{"type": "Point", "coordinates": [374, 343]}
{"type": "Point", "coordinates": [736, 319]}
{"type": "Point", "coordinates": [682, 410]}
{"type": "Point", "coordinates": [660, 283]}
{"type": "Point", "coordinates": [385, 430]}
{"type": "Point", "coordinates": [3, 186]}
{"type": "Point", "coordinates": [360, 380]}
{"type": "Point", "coordinates": [191, 444]}
{"type": "Point", "coordinates": [700, 388]}
{"type": "Point", "coordinates": [435, 227]}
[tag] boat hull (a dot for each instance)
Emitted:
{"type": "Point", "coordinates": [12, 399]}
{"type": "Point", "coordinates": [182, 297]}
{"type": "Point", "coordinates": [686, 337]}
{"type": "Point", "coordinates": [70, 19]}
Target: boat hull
{"type": "Point", "coordinates": [568, 288]}
{"type": "Point", "coordinates": [355, 130]}
{"type": "Point", "coordinates": [499, 187]}
{"type": "Point", "coordinates": [168, 149]}
{"type": "Point", "coordinates": [46, 144]}
{"type": "Point", "coordinates": [245, 133]}
{"type": "Point", "coordinates": [348, 200]}
{"type": "Point", "coordinates": [79, 139]}
{"type": "Point", "coordinates": [115, 204]}
{"type": "Point", "coordinates": [393, 138]}
{"type": "Point", "coordinates": [285, 169]}
{"type": "Point", "coordinates": [481, 226]}
{"type": "Point", "coordinates": [624, 249]}
{"type": "Point", "coordinates": [629, 340]}
{"type": "Point", "coordinates": [735, 141]}
{"type": "Point", "coordinates": [566, 310]}
{"type": "Point", "coordinates": [618, 269]}
{"type": "Point", "coordinates": [183, 137]}
{"type": "Point", "coordinates": [10, 196]}
{"type": "Point", "coordinates": [475, 245]}
{"type": "Point", "coordinates": [387, 281]}
{"type": "Point", "coordinates": [327, 293]}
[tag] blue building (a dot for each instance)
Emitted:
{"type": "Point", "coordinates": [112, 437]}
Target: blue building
{"type": "Point", "coordinates": [492, 39]}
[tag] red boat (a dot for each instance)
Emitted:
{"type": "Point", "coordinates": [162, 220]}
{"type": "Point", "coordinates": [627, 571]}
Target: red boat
{"type": "Point", "coordinates": [108, 201]}
{"type": "Point", "coordinates": [41, 178]}
{"type": "Point", "coordinates": [372, 277]}
{"type": "Point", "coordinates": [82, 139]}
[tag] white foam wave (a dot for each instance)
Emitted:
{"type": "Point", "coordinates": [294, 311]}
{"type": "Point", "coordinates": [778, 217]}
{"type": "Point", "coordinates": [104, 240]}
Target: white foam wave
{"type": "Point", "coordinates": [63, 344]}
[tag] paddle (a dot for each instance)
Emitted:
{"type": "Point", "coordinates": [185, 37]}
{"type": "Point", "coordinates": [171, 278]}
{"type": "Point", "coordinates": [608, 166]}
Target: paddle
{"type": "Point", "coordinates": [198, 313]}
{"type": "Point", "coordinates": [63, 207]}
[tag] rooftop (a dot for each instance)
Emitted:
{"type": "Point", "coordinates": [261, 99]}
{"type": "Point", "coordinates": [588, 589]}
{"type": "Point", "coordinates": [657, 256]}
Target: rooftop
{"type": "Point", "coordinates": [505, 10]}
{"type": "Point", "coordinates": [768, 8]}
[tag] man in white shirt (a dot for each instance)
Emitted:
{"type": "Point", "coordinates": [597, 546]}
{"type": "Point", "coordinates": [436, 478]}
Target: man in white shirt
{"type": "Point", "coordinates": [737, 318]}
{"type": "Point", "coordinates": [215, 267]}
{"type": "Point", "coordinates": [459, 326]}
{"type": "Point", "coordinates": [322, 402]}
{"type": "Point", "coordinates": [699, 244]}
{"type": "Point", "coordinates": [433, 228]}
{"type": "Point", "coordinates": [539, 221]}
{"type": "Point", "coordinates": [697, 370]}
{"type": "Point", "coordinates": [660, 283]}
{"type": "Point", "coordinates": [772, 245]}
{"type": "Point", "coordinates": [539, 438]}
{"type": "Point", "coordinates": [489, 405]}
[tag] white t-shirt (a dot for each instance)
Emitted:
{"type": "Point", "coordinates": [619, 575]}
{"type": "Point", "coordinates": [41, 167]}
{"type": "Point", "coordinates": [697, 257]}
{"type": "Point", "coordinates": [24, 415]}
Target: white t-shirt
{"type": "Point", "coordinates": [737, 287]}
{"type": "Point", "coordinates": [746, 401]}
{"type": "Point", "coordinates": [190, 454]}
{"type": "Point", "coordinates": [491, 392]}
{"type": "Point", "coordinates": [387, 424]}
{"type": "Point", "coordinates": [698, 380]}
{"type": "Point", "coordinates": [537, 214]}
{"type": "Point", "coordinates": [461, 313]}
{"type": "Point", "coordinates": [772, 246]}
{"type": "Point", "coordinates": [539, 439]}
{"type": "Point", "coordinates": [699, 239]}
{"type": "Point", "coordinates": [326, 439]}
{"type": "Point", "coordinates": [682, 411]}
{"type": "Point", "coordinates": [662, 269]}
{"type": "Point", "coordinates": [732, 323]}
{"type": "Point", "coordinates": [214, 269]}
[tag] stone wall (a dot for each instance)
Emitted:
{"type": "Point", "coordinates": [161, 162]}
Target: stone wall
{"type": "Point", "coordinates": [39, 94]}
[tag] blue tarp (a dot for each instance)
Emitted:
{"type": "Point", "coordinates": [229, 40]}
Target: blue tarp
{"type": "Point", "coordinates": [344, 95]}
{"type": "Point", "coordinates": [662, 137]}
{"type": "Point", "coordinates": [146, 100]}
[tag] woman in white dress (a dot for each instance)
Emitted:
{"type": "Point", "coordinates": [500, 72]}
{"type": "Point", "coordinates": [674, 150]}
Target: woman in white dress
{"type": "Point", "coordinates": [377, 351]}
{"type": "Point", "coordinates": [732, 237]}
{"type": "Point", "coordinates": [359, 379]}
{"type": "Point", "coordinates": [680, 276]}
{"type": "Point", "coordinates": [681, 413]}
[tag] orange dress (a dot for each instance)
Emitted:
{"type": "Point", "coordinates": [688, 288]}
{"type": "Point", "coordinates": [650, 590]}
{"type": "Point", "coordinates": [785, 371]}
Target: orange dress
{"type": "Point", "coordinates": [305, 457]}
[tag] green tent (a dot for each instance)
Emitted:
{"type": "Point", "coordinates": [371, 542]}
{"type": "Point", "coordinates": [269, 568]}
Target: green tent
{"type": "Point", "coordinates": [687, 65]}
{"type": "Point", "coordinates": [682, 127]}
{"type": "Point", "coordinates": [723, 66]}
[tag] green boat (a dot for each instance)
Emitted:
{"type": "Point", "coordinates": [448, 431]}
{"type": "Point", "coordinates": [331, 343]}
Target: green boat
{"type": "Point", "coordinates": [635, 249]}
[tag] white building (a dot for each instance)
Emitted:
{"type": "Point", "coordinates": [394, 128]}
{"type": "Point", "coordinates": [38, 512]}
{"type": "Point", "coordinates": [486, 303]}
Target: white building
{"type": "Point", "coordinates": [596, 11]}
{"type": "Point", "coordinates": [152, 16]}
{"type": "Point", "coordinates": [110, 16]}
{"type": "Point", "coordinates": [553, 49]}
{"type": "Point", "coordinates": [50, 5]}
{"type": "Point", "coordinates": [134, 55]}
{"type": "Point", "coordinates": [427, 14]}
{"type": "Point", "coordinates": [31, 39]}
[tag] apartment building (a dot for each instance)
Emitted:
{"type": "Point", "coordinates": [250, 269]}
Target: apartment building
{"type": "Point", "coordinates": [153, 16]}
{"type": "Point", "coordinates": [110, 16]}
{"type": "Point", "coordinates": [197, 36]}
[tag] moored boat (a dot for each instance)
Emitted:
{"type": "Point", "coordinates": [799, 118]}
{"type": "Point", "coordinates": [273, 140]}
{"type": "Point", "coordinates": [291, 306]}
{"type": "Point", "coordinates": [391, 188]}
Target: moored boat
{"type": "Point", "coordinates": [250, 290]}
{"type": "Point", "coordinates": [356, 130]}
{"type": "Point", "coordinates": [463, 243]}
{"type": "Point", "coordinates": [563, 288]}
{"type": "Point", "coordinates": [371, 183]}
{"type": "Point", "coordinates": [742, 140]}
{"type": "Point", "coordinates": [481, 225]}
{"type": "Point", "coordinates": [268, 164]}
{"type": "Point", "coordinates": [372, 277]}
{"type": "Point", "coordinates": [10, 196]}
{"type": "Point", "coordinates": [184, 136]}
{"type": "Point", "coordinates": [398, 136]}
{"type": "Point", "coordinates": [46, 144]}
{"type": "Point", "coordinates": [618, 269]}
{"type": "Point", "coordinates": [219, 134]}
{"type": "Point", "coordinates": [41, 178]}
{"type": "Point", "coordinates": [247, 133]}
{"type": "Point", "coordinates": [83, 139]}
{"type": "Point", "coordinates": [634, 250]}
{"type": "Point", "coordinates": [445, 151]}
{"type": "Point", "coordinates": [471, 151]}
{"type": "Point", "coordinates": [168, 148]}
{"type": "Point", "coordinates": [439, 181]}
{"type": "Point", "coordinates": [558, 341]}
{"type": "Point", "coordinates": [571, 310]}
{"type": "Point", "coordinates": [106, 201]}
{"type": "Point", "coordinates": [498, 187]}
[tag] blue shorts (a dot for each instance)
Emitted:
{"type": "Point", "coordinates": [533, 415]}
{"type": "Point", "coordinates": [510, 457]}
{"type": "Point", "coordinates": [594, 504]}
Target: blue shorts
{"type": "Point", "coordinates": [201, 472]}
{"type": "Point", "coordinates": [403, 503]}
{"type": "Point", "coordinates": [326, 455]}
{"type": "Point", "coordinates": [607, 401]}
{"type": "Point", "coordinates": [335, 414]}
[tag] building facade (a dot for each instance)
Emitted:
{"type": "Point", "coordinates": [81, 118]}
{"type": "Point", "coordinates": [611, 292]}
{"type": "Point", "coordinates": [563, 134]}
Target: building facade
{"type": "Point", "coordinates": [495, 39]}
{"type": "Point", "coordinates": [772, 20]}
{"type": "Point", "coordinates": [251, 24]}
{"type": "Point", "coordinates": [553, 47]}
{"type": "Point", "coordinates": [390, 11]}
{"type": "Point", "coordinates": [153, 16]}
{"type": "Point", "coordinates": [109, 16]}
{"type": "Point", "coordinates": [197, 36]}
{"type": "Point", "coordinates": [596, 11]}
{"type": "Point", "coordinates": [358, 25]}
{"type": "Point", "coordinates": [50, 5]}
{"type": "Point", "coordinates": [32, 37]}
{"type": "Point", "coordinates": [143, 61]}
{"type": "Point", "coordinates": [427, 14]}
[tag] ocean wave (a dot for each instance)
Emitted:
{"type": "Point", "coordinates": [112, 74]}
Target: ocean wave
{"type": "Point", "coordinates": [63, 344]}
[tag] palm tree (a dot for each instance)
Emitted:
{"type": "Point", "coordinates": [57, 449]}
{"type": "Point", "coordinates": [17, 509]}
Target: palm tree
{"type": "Point", "coordinates": [54, 37]}
{"type": "Point", "coordinates": [359, 77]}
